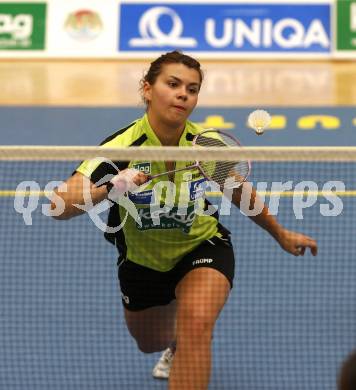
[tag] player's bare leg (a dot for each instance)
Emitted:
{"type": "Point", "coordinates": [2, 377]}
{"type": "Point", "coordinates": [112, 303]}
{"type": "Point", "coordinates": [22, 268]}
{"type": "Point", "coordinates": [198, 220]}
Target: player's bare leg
{"type": "Point", "coordinates": [153, 328]}
{"type": "Point", "coordinates": [201, 295]}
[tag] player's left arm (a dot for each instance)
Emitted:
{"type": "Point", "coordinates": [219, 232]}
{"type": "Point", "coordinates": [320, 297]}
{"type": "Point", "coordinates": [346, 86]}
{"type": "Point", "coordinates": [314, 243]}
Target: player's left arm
{"type": "Point", "coordinates": [292, 242]}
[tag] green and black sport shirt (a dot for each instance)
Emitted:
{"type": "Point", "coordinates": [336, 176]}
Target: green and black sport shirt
{"type": "Point", "coordinates": [170, 225]}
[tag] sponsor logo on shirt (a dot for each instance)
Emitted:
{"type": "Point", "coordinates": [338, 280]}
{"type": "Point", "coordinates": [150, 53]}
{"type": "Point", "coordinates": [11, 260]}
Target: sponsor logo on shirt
{"type": "Point", "coordinates": [197, 189]}
{"type": "Point", "coordinates": [144, 167]}
{"type": "Point", "coordinates": [173, 218]}
{"type": "Point", "coordinates": [143, 197]}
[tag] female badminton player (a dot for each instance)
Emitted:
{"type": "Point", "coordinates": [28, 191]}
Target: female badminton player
{"type": "Point", "coordinates": [176, 271]}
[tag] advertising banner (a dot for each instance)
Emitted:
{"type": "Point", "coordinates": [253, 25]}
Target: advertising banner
{"type": "Point", "coordinates": [346, 25]}
{"type": "Point", "coordinates": [284, 28]}
{"type": "Point", "coordinates": [22, 26]}
{"type": "Point", "coordinates": [78, 28]}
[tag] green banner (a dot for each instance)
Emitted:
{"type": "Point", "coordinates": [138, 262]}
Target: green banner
{"type": "Point", "coordinates": [22, 26]}
{"type": "Point", "coordinates": [346, 25]}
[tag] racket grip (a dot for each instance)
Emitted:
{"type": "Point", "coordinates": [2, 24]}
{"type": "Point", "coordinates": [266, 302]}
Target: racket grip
{"type": "Point", "coordinates": [123, 181]}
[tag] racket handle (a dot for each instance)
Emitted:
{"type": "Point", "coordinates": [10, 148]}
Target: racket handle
{"type": "Point", "coordinates": [151, 177]}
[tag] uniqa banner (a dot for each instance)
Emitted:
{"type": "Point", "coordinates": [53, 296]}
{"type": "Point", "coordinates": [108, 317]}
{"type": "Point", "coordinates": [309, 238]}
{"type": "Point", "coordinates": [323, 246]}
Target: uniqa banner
{"type": "Point", "coordinates": [225, 28]}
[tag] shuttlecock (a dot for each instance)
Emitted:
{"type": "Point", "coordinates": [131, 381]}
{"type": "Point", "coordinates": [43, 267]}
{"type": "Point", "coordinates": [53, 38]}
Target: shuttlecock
{"type": "Point", "coordinates": [259, 120]}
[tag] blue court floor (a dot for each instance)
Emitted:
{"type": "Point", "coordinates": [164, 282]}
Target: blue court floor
{"type": "Point", "coordinates": [288, 324]}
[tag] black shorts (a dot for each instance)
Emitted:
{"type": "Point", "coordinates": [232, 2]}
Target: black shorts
{"type": "Point", "coordinates": [143, 287]}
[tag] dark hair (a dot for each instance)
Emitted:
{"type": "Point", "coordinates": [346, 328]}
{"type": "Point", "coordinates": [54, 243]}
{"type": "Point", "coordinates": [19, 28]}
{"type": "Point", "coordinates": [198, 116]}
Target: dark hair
{"type": "Point", "coordinates": [347, 376]}
{"type": "Point", "coordinates": [173, 57]}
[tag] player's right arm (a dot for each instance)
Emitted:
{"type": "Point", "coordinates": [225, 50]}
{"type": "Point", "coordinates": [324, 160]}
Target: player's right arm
{"type": "Point", "coordinates": [73, 192]}
{"type": "Point", "coordinates": [80, 190]}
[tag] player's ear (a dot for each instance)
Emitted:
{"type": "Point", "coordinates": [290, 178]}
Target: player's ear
{"type": "Point", "coordinates": [147, 91]}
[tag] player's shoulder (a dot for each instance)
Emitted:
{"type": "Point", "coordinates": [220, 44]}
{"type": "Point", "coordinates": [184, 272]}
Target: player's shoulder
{"type": "Point", "coordinates": [194, 128]}
{"type": "Point", "coordinates": [132, 134]}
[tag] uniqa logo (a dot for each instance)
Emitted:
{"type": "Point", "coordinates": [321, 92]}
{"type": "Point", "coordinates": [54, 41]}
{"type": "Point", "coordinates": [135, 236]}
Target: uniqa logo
{"type": "Point", "coordinates": [83, 25]}
{"type": "Point", "coordinates": [152, 35]}
{"type": "Point", "coordinates": [265, 32]}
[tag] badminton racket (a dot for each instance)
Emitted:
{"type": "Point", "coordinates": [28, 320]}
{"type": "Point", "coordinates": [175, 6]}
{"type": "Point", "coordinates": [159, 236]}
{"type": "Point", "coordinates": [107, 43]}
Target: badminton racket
{"type": "Point", "coordinates": [231, 173]}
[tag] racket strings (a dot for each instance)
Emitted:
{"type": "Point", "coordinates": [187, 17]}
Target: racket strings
{"type": "Point", "coordinates": [224, 173]}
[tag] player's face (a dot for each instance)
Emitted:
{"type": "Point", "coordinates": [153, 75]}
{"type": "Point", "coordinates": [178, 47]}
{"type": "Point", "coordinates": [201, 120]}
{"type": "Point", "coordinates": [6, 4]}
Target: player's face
{"type": "Point", "coordinates": [174, 94]}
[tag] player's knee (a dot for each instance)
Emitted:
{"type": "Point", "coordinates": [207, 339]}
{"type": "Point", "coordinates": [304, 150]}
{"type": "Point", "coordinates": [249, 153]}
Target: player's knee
{"type": "Point", "coordinates": [196, 326]}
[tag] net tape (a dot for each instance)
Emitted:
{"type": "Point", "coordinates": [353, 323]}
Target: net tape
{"type": "Point", "coordinates": [175, 153]}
